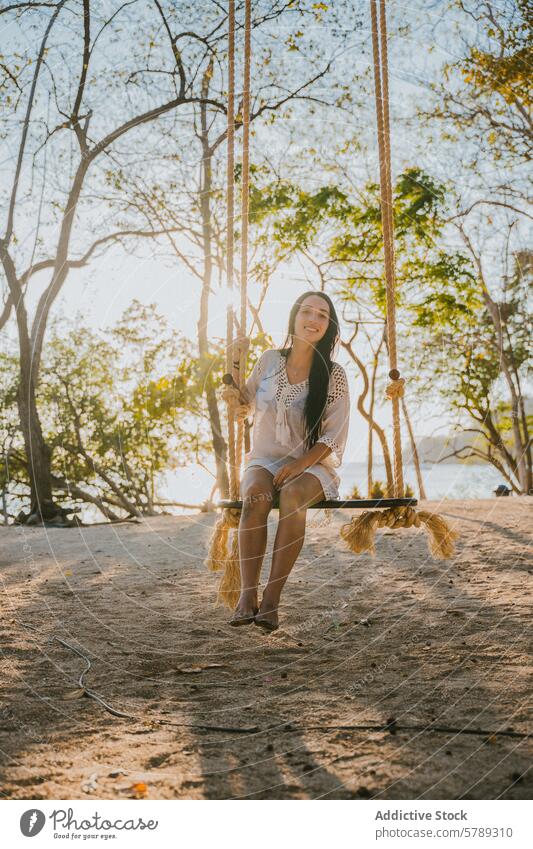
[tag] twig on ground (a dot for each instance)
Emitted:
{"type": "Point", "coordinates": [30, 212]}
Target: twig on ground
{"type": "Point", "coordinates": [391, 725]}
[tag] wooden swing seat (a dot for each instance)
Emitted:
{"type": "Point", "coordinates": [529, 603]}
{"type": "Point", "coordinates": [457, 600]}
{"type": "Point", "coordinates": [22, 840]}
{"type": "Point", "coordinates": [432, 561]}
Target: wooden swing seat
{"type": "Point", "coordinates": [349, 503]}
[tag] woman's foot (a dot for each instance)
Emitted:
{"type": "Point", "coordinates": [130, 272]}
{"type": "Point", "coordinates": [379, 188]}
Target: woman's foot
{"type": "Point", "coordinates": [245, 612]}
{"type": "Point", "coordinates": [267, 617]}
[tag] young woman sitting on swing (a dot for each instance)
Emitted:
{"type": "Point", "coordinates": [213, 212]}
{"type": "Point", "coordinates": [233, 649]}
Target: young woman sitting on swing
{"type": "Point", "coordinates": [301, 406]}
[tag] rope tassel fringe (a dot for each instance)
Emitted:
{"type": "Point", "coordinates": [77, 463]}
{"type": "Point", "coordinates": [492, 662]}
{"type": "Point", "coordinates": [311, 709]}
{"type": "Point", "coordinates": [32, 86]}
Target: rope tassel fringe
{"type": "Point", "coordinates": [360, 532]}
{"type": "Point", "coordinates": [223, 556]}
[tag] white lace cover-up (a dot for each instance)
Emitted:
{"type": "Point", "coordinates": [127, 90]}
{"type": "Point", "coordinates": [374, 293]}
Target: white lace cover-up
{"type": "Point", "coordinates": [278, 433]}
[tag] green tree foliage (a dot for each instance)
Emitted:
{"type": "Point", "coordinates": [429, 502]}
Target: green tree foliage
{"type": "Point", "coordinates": [346, 235]}
{"type": "Point", "coordinates": [120, 409]}
{"type": "Point", "coordinates": [487, 93]}
{"type": "Point", "coordinates": [484, 107]}
{"type": "Point", "coordinates": [454, 349]}
{"type": "Point", "coordinates": [466, 356]}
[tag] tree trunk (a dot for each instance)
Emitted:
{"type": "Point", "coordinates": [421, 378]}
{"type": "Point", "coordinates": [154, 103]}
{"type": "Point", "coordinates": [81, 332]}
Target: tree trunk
{"type": "Point", "coordinates": [414, 450]}
{"type": "Point", "coordinates": [519, 445]}
{"type": "Point", "coordinates": [39, 456]}
{"type": "Point", "coordinates": [4, 507]}
{"type": "Point", "coordinates": [370, 457]}
{"type": "Point", "coordinates": [378, 430]}
{"type": "Point", "coordinates": [520, 464]}
{"type": "Point", "coordinates": [38, 453]}
{"type": "Point", "coordinates": [527, 438]}
{"type": "Point", "coordinates": [370, 460]}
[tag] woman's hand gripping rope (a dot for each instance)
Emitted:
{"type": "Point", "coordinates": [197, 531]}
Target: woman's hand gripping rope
{"type": "Point", "coordinates": [233, 396]}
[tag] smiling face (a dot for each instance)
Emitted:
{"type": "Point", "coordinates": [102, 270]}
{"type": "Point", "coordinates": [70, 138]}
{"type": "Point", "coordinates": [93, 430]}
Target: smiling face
{"type": "Point", "coordinates": [312, 319]}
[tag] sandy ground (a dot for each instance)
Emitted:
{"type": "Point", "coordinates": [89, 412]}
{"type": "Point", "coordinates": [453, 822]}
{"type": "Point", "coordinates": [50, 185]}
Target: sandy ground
{"type": "Point", "coordinates": [361, 641]}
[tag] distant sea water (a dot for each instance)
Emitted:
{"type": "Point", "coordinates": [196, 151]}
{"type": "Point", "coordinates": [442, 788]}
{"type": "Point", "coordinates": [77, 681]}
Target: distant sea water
{"type": "Point", "coordinates": [448, 480]}
{"type": "Point", "coordinates": [192, 484]}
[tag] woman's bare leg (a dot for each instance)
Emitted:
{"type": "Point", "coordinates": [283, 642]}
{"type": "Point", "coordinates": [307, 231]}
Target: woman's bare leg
{"type": "Point", "coordinates": [258, 493]}
{"type": "Point", "coordinates": [294, 499]}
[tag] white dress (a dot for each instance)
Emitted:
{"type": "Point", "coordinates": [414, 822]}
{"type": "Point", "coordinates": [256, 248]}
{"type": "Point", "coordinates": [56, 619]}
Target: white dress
{"type": "Point", "coordinates": [278, 433]}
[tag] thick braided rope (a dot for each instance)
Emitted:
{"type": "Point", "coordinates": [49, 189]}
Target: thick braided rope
{"type": "Point", "coordinates": [223, 554]}
{"type": "Point", "coordinates": [218, 551]}
{"type": "Point", "coordinates": [391, 333]}
{"type": "Point", "coordinates": [232, 441]}
{"type": "Point", "coordinates": [381, 88]}
{"type": "Point", "coordinates": [360, 533]}
{"type": "Point", "coordinates": [230, 150]}
{"type": "Point", "coordinates": [245, 197]}
{"type": "Point", "coordinates": [230, 213]}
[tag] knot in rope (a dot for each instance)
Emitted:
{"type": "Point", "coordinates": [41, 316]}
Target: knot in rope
{"type": "Point", "coordinates": [232, 398]}
{"type": "Point", "coordinates": [395, 389]}
{"type": "Point", "coordinates": [397, 517]}
{"type": "Point", "coordinates": [230, 395]}
{"type": "Point", "coordinates": [232, 516]}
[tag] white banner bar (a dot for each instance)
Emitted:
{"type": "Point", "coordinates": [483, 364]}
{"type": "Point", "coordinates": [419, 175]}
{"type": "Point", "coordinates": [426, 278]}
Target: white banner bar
{"type": "Point", "coordinates": [313, 824]}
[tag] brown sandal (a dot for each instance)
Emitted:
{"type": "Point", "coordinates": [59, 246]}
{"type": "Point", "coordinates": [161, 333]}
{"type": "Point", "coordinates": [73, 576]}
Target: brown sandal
{"type": "Point", "coordinates": [265, 624]}
{"type": "Point", "coordinates": [237, 621]}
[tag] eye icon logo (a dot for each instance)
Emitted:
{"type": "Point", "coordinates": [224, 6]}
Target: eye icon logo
{"type": "Point", "coordinates": [32, 822]}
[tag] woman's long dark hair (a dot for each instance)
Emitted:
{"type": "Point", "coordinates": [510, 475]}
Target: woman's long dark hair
{"type": "Point", "coordinates": [321, 366]}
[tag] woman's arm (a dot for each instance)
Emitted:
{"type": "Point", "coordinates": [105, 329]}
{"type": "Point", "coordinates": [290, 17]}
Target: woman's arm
{"type": "Point", "coordinates": [296, 467]}
{"type": "Point", "coordinates": [317, 453]}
